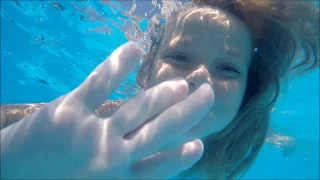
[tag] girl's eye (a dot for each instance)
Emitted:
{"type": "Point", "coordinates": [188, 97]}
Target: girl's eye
{"type": "Point", "coordinates": [228, 69]}
{"type": "Point", "coordinates": [180, 58]}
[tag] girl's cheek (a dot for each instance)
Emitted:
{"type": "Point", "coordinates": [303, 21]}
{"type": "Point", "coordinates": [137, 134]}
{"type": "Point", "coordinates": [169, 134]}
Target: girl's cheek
{"type": "Point", "coordinates": [165, 72]}
{"type": "Point", "coordinates": [229, 95]}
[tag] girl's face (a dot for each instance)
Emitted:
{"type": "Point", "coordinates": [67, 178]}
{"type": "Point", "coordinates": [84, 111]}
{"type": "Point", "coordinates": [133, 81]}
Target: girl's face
{"type": "Point", "coordinates": [206, 46]}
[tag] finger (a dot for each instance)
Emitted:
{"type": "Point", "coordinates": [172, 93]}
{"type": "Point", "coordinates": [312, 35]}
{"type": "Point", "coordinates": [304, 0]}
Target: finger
{"type": "Point", "coordinates": [148, 104]}
{"type": "Point", "coordinates": [164, 165]}
{"type": "Point", "coordinates": [172, 122]}
{"type": "Point", "coordinates": [108, 75]}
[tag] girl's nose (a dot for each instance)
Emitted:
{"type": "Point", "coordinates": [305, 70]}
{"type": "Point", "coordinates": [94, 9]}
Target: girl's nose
{"type": "Point", "coordinates": [198, 77]}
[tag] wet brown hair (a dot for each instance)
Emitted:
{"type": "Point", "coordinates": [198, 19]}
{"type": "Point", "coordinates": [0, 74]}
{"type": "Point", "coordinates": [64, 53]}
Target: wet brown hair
{"type": "Point", "coordinates": [286, 35]}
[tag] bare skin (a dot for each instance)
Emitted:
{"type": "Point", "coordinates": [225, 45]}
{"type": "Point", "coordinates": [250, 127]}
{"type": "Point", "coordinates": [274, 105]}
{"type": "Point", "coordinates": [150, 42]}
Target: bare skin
{"type": "Point", "coordinates": [68, 133]}
{"type": "Point", "coordinates": [15, 112]}
{"type": "Point", "coordinates": [196, 88]}
{"type": "Point", "coordinates": [206, 46]}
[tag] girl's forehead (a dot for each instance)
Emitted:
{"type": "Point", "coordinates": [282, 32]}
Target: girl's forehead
{"type": "Point", "coordinates": [213, 28]}
{"type": "Point", "coordinates": [202, 14]}
{"type": "Point", "coordinates": [206, 16]}
{"type": "Point", "coordinates": [203, 18]}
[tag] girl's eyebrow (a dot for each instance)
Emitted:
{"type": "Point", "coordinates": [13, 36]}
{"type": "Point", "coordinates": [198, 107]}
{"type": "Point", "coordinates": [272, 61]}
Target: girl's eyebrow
{"type": "Point", "coordinates": [180, 40]}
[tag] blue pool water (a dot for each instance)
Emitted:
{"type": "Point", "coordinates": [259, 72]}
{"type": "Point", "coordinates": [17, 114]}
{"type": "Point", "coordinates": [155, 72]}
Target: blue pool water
{"type": "Point", "coordinates": [47, 49]}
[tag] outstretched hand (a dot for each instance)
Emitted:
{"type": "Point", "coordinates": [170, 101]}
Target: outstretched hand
{"type": "Point", "coordinates": [66, 139]}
